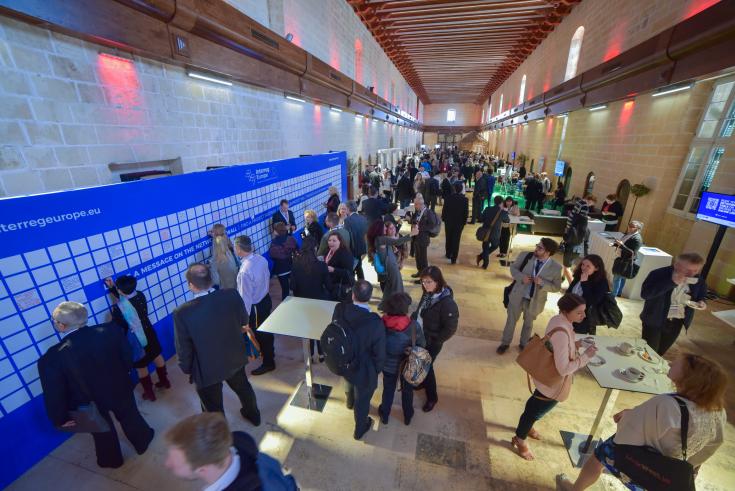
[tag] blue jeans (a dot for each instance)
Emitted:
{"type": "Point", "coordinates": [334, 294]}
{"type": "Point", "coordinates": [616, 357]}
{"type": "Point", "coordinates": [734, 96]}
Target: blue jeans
{"type": "Point", "coordinates": [390, 381]}
{"type": "Point", "coordinates": [618, 285]}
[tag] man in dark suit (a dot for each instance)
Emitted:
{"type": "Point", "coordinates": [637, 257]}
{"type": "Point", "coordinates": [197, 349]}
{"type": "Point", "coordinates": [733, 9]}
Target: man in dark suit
{"type": "Point", "coordinates": [357, 226]}
{"type": "Point", "coordinates": [284, 215]}
{"type": "Point", "coordinates": [534, 193]}
{"type": "Point", "coordinates": [479, 195]}
{"type": "Point", "coordinates": [669, 294]}
{"type": "Point", "coordinates": [373, 208]}
{"type": "Point", "coordinates": [92, 364]}
{"type": "Point", "coordinates": [370, 333]}
{"type": "Point", "coordinates": [454, 215]}
{"type": "Point", "coordinates": [404, 189]}
{"type": "Point", "coordinates": [209, 340]}
{"type": "Point", "coordinates": [422, 221]}
{"type": "Point", "coordinates": [492, 219]}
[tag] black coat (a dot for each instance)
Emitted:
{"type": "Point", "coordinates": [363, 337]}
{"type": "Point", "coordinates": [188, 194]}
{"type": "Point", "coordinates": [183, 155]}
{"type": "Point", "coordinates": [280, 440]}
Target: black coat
{"type": "Point", "coordinates": [439, 318]}
{"type": "Point", "coordinates": [446, 188]}
{"type": "Point", "coordinates": [534, 189]}
{"type": "Point", "coordinates": [481, 188]}
{"type": "Point", "coordinates": [311, 281]}
{"type": "Point", "coordinates": [139, 302]}
{"type": "Point", "coordinates": [656, 291]}
{"type": "Point", "coordinates": [632, 245]}
{"type": "Point", "coordinates": [357, 226]}
{"type": "Point", "coordinates": [278, 218]}
{"type": "Point", "coordinates": [316, 231]}
{"type": "Point", "coordinates": [208, 335]}
{"type": "Point", "coordinates": [248, 479]}
{"type": "Point", "coordinates": [593, 293]}
{"type": "Point", "coordinates": [404, 187]}
{"type": "Point", "coordinates": [455, 211]}
{"type": "Point", "coordinates": [332, 203]}
{"type": "Point", "coordinates": [370, 333]}
{"type": "Point", "coordinates": [373, 209]}
{"type": "Point", "coordinates": [343, 273]}
{"type": "Point", "coordinates": [103, 360]}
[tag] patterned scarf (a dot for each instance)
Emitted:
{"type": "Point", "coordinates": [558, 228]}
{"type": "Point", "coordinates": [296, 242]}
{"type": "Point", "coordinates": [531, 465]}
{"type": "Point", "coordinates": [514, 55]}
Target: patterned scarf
{"type": "Point", "coordinates": [131, 317]}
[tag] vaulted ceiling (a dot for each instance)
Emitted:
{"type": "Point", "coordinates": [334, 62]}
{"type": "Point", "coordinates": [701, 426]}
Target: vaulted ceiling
{"type": "Point", "coordinates": [459, 50]}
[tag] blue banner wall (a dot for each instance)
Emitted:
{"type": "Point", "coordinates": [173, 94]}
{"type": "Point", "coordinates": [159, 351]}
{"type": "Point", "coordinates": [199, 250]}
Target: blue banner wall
{"type": "Point", "coordinates": [59, 246]}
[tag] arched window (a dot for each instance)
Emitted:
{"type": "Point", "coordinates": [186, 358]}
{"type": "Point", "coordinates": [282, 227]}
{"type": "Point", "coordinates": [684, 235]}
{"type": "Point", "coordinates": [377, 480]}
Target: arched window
{"type": "Point", "coordinates": [451, 115]}
{"type": "Point", "coordinates": [574, 49]}
{"type": "Point", "coordinates": [523, 90]}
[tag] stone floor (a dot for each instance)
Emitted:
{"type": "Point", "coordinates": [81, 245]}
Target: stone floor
{"type": "Point", "coordinates": [462, 445]}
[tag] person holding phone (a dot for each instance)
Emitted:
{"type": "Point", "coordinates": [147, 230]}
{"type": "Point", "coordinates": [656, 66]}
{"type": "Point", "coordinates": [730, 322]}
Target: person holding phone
{"type": "Point", "coordinates": [671, 295]}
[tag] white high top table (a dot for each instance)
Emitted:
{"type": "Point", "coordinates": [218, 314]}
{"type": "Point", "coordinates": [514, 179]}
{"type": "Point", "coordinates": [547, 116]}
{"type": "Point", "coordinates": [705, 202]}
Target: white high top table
{"type": "Point", "coordinates": [303, 318]}
{"type": "Point", "coordinates": [580, 446]}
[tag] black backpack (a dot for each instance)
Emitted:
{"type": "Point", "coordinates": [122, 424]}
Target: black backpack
{"type": "Point", "coordinates": [576, 233]}
{"type": "Point", "coordinates": [340, 345]}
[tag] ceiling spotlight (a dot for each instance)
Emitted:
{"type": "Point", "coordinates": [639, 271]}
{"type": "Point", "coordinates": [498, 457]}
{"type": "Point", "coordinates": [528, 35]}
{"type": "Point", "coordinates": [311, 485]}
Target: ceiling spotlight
{"type": "Point", "coordinates": [289, 37]}
{"type": "Point", "coordinates": [294, 98]}
{"type": "Point", "coordinates": [209, 78]}
{"type": "Point", "coordinates": [597, 108]}
{"type": "Point", "coordinates": [672, 90]}
{"type": "Point", "coordinates": [335, 109]}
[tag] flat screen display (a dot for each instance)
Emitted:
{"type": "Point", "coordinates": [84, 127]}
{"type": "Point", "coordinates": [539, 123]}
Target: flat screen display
{"type": "Point", "coordinates": [559, 169]}
{"type": "Point", "coordinates": [717, 208]}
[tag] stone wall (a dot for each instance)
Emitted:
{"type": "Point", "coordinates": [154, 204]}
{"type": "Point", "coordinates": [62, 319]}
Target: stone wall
{"type": "Point", "coordinates": [70, 110]}
{"type": "Point", "coordinates": [467, 114]}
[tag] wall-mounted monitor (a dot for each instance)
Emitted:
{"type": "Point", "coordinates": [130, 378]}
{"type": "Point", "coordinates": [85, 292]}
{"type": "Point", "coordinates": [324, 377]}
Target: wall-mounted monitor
{"type": "Point", "coordinates": [717, 208]}
{"type": "Point", "coordinates": [559, 168]}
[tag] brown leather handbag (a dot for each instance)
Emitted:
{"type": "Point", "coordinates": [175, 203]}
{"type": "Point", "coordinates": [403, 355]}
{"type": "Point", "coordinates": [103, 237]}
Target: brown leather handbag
{"type": "Point", "coordinates": [537, 359]}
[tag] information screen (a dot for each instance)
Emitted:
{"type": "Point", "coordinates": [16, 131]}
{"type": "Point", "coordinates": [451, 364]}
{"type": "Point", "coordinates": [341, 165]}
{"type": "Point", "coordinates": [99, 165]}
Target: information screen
{"type": "Point", "coordinates": [717, 208]}
{"type": "Point", "coordinates": [559, 169]}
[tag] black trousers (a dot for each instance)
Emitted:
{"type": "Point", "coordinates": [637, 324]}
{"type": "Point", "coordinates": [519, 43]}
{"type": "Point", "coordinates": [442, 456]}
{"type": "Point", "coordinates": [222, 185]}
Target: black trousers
{"type": "Point", "coordinates": [533, 204]}
{"type": "Point", "coordinates": [258, 313]}
{"type": "Point", "coordinates": [431, 202]}
{"type": "Point", "coordinates": [430, 381]}
{"type": "Point", "coordinates": [390, 381]}
{"type": "Point", "coordinates": [136, 429]}
{"type": "Point", "coordinates": [504, 240]}
{"type": "Point", "coordinates": [359, 396]}
{"type": "Point", "coordinates": [477, 202]}
{"type": "Point", "coordinates": [536, 407]}
{"type": "Point", "coordinates": [358, 269]}
{"type": "Point", "coordinates": [661, 338]}
{"type": "Point", "coordinates": [211, 396]}
{"type": "Point", "coordinates": [453, 237]}
{"type": "Point", "coordinates": [487, 249]}
{"type": "Point", "coordinates": [283, 280]}
{"type": "Point", "coordinates": [422, 259]}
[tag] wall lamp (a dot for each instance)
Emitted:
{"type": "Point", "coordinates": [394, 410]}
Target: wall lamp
{"type": "Point", "coordinates": [672, 89]}
{"type": "Point", "coordinates": [294, 98]}
{"type": "Point", "coordinates": [208, 78]}
{"type": "Point", "coordinates": [597, 108]}
{"type": "Point", "coordinates": [289, 37]}
{"type": "Point", "coordinates": [335, 109]}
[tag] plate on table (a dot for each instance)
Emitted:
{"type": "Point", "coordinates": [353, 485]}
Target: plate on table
{"type": "Point", "coordinates": [649, 357]}
{"type": "Point", "coordinates": [632, 374]}
{"type": "Point", "coordinates": [597, 361]}
{"type": "Point", "coordinates": [621, 351]}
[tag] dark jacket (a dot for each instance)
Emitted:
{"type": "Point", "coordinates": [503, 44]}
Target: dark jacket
{"type": "Point", "coordinates": [593, 293]}
{"type": "Point", "coordinates": [522, 172]}
{"type": "Point", "coordinates": [373, 209]}
{"type": "Point", "coordinates": [357, 226]}
{"type": "Point", "coordinates": [440, 316]}
{"type": "Point", "coordinates": [455, 211]}
{"type": "Point", "coordinates": [446, 188]}
{"type": "Point", "coordinates": [278, 218]}
{"type": "Point", "coordinates": [332, 203]}
{"type": "Point", "coordinates": [534, 189]}
{"type": "Point", "coordinates": [404, 187]}
{"type": "Point", "coordinates": [103, 359]}
{"type": "Point", "coordinates": [481, 188]}
{"type": "Point", "coordinates": [370, 333]}
{"type": "Point", "coordinates": [396, 341]}
{"type": "Point", "coordinates": [488, 215]}
{"type": "Point", "coordinates": [281, 249]}
{"type": "Point", "coordinates": [208, 336]}
{"type": "Point", "coordinates": [315, 230]}
{"type": "Point", "coordinates": [656, 291]}
{"type": "Point", "coordinates": [258, 471]}
{"type": "Point", "coordinates": [342, 262]}
{"type": "Point", "coordinates": [311, 281]}
{"type": "Point", "coordinates": [425, 223]}
{"type": "Point", "coordinates": [632, 245]}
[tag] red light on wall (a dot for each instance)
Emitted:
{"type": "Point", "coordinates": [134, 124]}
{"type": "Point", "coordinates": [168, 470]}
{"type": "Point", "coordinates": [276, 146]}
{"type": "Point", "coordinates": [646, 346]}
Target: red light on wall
{"type": "Point", "coordinates": [626, 113]}
{"type": "Point", "coordinates": [358, 61]}
{"type": "Point", "coordinates": [121, 86]}
{"type": "Point", "coordinates": [698, 6]}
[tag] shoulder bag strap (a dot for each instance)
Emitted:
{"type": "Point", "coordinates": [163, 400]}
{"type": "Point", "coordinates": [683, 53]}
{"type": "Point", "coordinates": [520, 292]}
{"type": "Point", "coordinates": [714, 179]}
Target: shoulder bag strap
{"type": "Point", "coordinates": [684, 425]}
{"type": "Point", "coordinates": [413, 334]}
{"type": "Point", "coordinates": [557, 329]}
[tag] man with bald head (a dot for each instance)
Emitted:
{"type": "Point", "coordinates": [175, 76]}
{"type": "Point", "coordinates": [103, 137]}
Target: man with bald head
{"type": "Point", "coordinates": [422, 221]}
{"type": "Point", "coordinates": [209, 339]}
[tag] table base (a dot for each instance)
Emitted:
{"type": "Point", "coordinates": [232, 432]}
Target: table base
{"type": "Point", "coordinates": [578, 447]}
{"type": "Point", "coordinates": [314, 399]}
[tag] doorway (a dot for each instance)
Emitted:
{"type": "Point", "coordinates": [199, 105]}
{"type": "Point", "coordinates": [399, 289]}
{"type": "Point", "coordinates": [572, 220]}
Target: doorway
{"type": "Point", "coordinates": [589, 184]}
{"type": "Point", "coordinates": [623, 193]}
{"type": "Point", "coordinates": [567, 179]}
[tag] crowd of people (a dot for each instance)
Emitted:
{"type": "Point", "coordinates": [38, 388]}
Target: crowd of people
{"type": "Point", "coordinates": [217, 331]}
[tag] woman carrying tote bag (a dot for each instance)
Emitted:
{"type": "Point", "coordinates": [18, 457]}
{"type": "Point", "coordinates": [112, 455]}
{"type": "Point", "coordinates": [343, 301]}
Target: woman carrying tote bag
{"type": "Point", "coordinates": [559, 340]}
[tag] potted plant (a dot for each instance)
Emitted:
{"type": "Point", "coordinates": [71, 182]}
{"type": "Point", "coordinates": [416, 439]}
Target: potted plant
{"type": "Point", "coordinates": [638, 190]}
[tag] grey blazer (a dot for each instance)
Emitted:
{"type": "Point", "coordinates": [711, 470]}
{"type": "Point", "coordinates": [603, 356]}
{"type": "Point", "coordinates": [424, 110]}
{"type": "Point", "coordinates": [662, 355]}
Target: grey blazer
{"type": "Point", "coordinates": [550, 274]}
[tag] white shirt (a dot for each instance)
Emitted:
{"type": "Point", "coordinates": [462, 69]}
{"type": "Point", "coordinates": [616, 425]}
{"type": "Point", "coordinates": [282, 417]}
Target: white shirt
{"type": "Point", "coordinates": [230, 474]}
{"type": "Point", "coordinates": [253, 280]}
{"type": "Point", "coordinates": [202, 293]}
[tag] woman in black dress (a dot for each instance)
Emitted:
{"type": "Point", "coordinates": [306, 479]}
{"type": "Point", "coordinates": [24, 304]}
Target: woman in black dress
{"type": "Point", "coordinates": [130, 311]}
{"type": "Point", "coordinates": [310, 279]}
{"type": "Point", "coordinates": [589, 282]}
{"type": "Point", "coordinates": [340, 264]}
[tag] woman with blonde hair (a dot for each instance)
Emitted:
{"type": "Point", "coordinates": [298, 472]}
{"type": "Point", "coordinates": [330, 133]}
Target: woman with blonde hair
{"type": "Point", "coordinates": [342, 212]}
{"type": "Point", "coordinates": [700, 386]}
{"type": "Point", "coordinates": [223, 264]}
{"type": "Point", "coordinates": [419, 186]}
{"type": "Point", "coordinates": [312, 227]}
